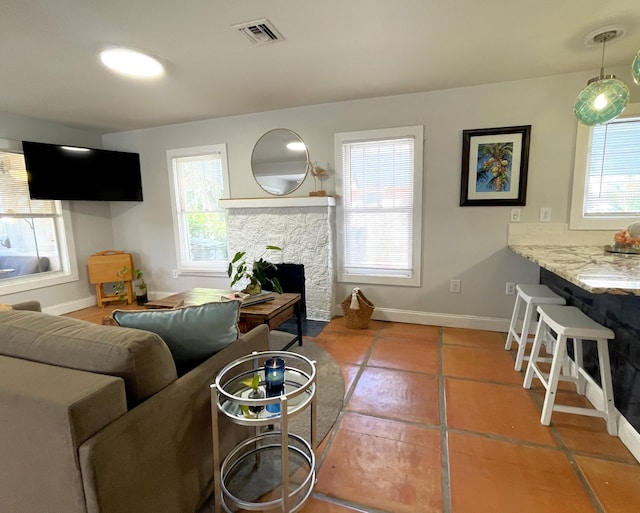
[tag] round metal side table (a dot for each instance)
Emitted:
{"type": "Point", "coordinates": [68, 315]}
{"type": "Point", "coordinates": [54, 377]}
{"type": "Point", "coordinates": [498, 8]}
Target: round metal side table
{"type": "Point", "coordinates": [274, 470]}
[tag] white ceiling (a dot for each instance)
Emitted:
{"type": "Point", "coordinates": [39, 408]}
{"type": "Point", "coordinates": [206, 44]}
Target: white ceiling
{"type": "Point", "coordinates": [334, 50]}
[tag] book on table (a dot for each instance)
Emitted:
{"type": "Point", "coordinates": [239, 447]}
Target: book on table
{"type": "Point", "coordinates": [248, 299]}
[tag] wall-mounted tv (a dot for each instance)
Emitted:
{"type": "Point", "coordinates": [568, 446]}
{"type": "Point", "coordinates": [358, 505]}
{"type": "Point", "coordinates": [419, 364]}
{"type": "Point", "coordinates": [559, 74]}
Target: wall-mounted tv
{"type": "Point", "coordinates": [57, 172]}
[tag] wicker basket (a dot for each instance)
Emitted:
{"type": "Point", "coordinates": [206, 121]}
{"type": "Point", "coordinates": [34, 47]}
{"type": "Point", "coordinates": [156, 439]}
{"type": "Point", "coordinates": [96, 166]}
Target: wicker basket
{"type": "Point", "coordinates": [357, 319]}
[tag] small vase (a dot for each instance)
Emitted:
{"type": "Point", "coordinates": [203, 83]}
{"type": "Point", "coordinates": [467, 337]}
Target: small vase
{"type": "Point", "coordinates": [142, 299]}
{"type": "Point", "coordinates": [253, 289]}
{"type": "Point", "coordinates": [256, 393]}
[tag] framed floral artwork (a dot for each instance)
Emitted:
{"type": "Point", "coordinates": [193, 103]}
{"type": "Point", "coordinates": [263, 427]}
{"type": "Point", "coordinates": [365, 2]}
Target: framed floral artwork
{"type": "Point", "coordinates": [494, 166]}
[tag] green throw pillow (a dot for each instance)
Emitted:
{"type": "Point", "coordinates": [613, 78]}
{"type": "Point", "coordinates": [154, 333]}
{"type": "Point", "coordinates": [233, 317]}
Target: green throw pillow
{"type": "Point", "coordinates": [193, 333]}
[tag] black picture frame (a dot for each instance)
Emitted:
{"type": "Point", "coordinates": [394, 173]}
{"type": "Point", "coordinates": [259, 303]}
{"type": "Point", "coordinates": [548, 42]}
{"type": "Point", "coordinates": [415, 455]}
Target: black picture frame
{"type": "Point", "coordinates": [495, 163]}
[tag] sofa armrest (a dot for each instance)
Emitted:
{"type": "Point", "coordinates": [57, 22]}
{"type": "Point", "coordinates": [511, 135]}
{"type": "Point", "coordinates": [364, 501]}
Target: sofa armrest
{"type": "Point", "coordinates": [47, 412]}
{"type": "Point", "coordinates": [158, 457]}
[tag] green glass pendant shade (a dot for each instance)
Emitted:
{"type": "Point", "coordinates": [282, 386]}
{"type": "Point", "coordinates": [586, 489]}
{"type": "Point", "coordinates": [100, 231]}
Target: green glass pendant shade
{"type": "Point", "coordinates": [635, 69]}
{"type": "Point", "coordinates": [602, 100]}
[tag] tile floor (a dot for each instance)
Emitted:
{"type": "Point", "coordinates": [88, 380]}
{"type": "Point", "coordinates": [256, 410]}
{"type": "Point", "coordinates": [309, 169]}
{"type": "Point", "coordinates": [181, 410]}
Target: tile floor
{"type": "Point", "coordinates": [436, 420]}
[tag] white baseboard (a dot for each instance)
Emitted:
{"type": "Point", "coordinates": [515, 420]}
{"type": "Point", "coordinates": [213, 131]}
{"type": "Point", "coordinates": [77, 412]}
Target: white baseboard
{"type": "Point", "coordinates": [626, 432]}
{"type": "Point", "coordinates": [438, 319]}
{"type": "Point", "coordinates": [70, 306]}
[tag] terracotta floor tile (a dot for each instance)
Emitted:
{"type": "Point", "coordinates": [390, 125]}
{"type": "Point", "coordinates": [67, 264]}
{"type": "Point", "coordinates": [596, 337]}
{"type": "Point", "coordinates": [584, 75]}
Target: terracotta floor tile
{"type": "Point", "coordinates": [349, 373]}
{"type": "Point", "coordinates": [338, 325]}
{"type": "Point", "coordinates": [616, 485]}
{"type": "Point", "coordinates": [473, 338]}
{"type": "Point", "coordinates": [412, 354]}
{"type": "Point", "coordinates": [317, 505]}
{"type": "Point", "coordinates": [345, 347]}
{"type": "Point", "coordinates": [382, 464]}
{"type": "Point", "coordinates": [396, 330]}
{"type": "Point", "coordinates": [502, 410]}
{"type": "Point", "coordinates": [403, 395]}
{"type": "Point", "coordinates": [490, 476]}
{"type": "Point", "coordinates": [480, 364]}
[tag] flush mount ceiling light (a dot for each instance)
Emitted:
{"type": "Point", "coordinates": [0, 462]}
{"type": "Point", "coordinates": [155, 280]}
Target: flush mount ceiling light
{"type": "Point", "coordinates": [605, 97]}
{"type": "Point", "coordinates": [131, 63]}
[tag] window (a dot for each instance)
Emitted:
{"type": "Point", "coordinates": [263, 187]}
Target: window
{"type": "Point", "coordinates": [379, 177]}
{"type": "Point", "coordinates": [606, 180]}
{"type": "Point", "coordinates": [36, 247]}
{"type": "Point", "coordinates": [199, 178]}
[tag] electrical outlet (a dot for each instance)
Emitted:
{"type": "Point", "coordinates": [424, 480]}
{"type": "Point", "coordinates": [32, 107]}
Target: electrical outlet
{"type": "Point", "coordinates": [545, 215]}
{"type": "Point", "coordinates": [510, 289]}
{"type": "Point", "coordinates": [454, 286]}
{"type": "Point", "coordinates": [175, 273]}
{"type": "Point", "coordinates": [515, 215]}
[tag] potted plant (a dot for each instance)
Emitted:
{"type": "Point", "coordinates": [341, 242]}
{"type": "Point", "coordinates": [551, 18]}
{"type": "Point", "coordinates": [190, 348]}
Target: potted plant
{"type": "Point", "coordinates": [256, 273]}
{"type": "Point", "coordinates": [141, 287]}
{"type": "Point", "coordinates": [255, 393]}
{"type": "Point", "coordinates": [119, 287]}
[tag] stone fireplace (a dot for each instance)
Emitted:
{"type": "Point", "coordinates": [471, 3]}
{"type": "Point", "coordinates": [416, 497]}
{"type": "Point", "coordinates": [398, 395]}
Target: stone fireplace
{"type": "Point", "coordinates": [302, 227]}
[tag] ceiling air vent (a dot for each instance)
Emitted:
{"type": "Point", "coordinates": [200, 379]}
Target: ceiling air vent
{"type": "Point", "coordinates": [260, 32]}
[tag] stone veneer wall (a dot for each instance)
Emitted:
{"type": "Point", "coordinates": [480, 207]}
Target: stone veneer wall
{"type": "Point", "coordinates": [306, 237]}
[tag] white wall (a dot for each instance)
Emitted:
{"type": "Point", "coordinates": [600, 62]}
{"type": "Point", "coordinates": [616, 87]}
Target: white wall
{"type": "Point", "coordinates": [465, 243]}
{"type": "Point", "coordinates": [91, 222]}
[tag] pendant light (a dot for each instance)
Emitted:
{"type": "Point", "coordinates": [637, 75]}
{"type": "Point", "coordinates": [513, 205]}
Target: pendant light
{"type": "Point", "coordinates": [605, 97]}
{"type": "Point", "coordinates": [635, 69]}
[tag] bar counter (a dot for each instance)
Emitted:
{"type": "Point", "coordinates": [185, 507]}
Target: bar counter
{"type": "Point", "coordinates": [589, 267]}
{"type": "Point", "coordinates": [605, 286]}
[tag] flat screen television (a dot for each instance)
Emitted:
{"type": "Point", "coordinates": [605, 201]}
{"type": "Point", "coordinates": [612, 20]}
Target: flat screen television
{"type": "Point", "coordinates": [57, 172]}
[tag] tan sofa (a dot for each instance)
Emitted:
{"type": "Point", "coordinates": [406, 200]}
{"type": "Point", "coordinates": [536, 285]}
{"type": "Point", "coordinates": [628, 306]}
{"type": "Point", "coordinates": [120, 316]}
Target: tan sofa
{"type": "Point", "coordinates": [93, 419]}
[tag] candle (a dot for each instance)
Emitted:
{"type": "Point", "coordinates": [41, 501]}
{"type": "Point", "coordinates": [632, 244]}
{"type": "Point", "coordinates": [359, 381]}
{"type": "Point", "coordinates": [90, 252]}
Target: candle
{"type": "Point", "coordinates": [274, 380]}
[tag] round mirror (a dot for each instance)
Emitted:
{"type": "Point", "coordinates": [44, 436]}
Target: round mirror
{"type": "Point", "coordinates": [280, 161]}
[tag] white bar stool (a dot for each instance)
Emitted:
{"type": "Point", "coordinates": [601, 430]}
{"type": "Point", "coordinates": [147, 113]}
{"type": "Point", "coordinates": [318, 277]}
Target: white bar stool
{"type": "Point", "coordinates": [532, 295]}
{"type": "Point", "coordinates": [570, 322]}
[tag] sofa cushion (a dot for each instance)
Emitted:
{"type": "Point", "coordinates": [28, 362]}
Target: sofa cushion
{"type": "Point", "coordinates": [140, 358]}
{"type": "Point", "coordinates": [193, 333]}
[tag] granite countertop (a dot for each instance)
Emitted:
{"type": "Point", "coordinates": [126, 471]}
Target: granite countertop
{"type": "Point", "coordinates": [588, 267]}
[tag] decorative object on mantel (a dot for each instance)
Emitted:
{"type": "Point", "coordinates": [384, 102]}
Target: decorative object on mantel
{"type": "Point", "coordinates": [605, 97]}
{"type": "Point", "coordinates": [494, 166]}
{"type": "Point", "coordinates": [317, 173]}
{"type": "Point", "coordinates": [256, 273]}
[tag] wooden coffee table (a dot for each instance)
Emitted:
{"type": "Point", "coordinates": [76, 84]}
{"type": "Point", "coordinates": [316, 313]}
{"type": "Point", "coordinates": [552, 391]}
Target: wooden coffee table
{"type": "Point", "coordinates": [272, 313]}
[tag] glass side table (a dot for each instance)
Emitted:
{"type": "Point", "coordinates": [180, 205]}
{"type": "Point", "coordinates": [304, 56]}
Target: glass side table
{"type": "Point", "coordinates": [274, 470]}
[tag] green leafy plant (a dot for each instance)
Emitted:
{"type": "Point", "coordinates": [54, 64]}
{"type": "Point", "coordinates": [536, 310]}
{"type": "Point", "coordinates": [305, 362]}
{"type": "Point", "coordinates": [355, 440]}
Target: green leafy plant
{"type": "Point", "coordinates": [139, 279]}
{"type": "Point", "coordinates": [119, 287]}
{"type": "Point", "coordinates": [254, 384]}
{"type": "Point", "coordinates": [255, 272]}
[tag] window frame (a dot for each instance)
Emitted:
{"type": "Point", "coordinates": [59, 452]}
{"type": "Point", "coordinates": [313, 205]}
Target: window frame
{"type": "Point", "coordinates": [183, 267]}
{"type": "Point", "coordinates": [417, 133]}
{"type": "Point", "coordinates": [582, 152]}
{"type": "Point", "coordinates": [66, 246]}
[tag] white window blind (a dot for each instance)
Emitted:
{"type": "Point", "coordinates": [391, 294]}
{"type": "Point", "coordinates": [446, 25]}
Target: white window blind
{"type": "Point", "coordinates": [378, 178]}
{"type": "Point", "coordinates": [612, 185]}
{"type": "Point", "coordinates": [14, 189]}
{"type": "Point", "coordinates": [39, 230]}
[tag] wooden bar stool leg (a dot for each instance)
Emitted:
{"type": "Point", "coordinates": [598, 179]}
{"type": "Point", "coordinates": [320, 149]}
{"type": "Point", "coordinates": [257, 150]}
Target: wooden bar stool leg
{"type": "Point", "coordinates": [607, 386]}
{"type": "Point", "coordinates": [581, 382]}
{"type": "Point", "coordinates": [554, 376]}
{"type": "Point", "coordinates": [524, 336]}
{"type": "Point", "coordinates": [535, 350]}
{"type": "Point", "coordinates": [513, 324]}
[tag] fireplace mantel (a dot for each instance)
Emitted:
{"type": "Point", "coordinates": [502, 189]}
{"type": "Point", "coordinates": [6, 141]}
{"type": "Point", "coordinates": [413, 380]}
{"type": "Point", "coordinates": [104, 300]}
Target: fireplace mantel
{"type": "Point", "coordinates": [296, 201]}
